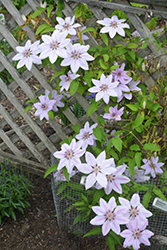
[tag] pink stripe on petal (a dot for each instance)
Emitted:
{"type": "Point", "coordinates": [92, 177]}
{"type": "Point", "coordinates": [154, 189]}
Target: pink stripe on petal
{"type": "Point", "coordinates": [98, 220]}
{"type": "Point", "coordinates": [106, 227]}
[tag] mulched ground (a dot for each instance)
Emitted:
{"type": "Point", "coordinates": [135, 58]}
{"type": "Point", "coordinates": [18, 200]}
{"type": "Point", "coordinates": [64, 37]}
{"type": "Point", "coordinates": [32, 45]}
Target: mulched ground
{"type": "Point", "coordinates": [37, 228]}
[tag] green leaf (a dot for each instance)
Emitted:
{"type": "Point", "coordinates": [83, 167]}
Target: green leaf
{"type": "Point", "coordinates": [27, 108]}
{"type": "Point", "coordinates": [116, 237]}
{"type": "Point", "coordinates": [103, 65]}
{"type": "Point", "coordinates": [105, 38]}
{"type": "Point", "coordinates": [144, 45]}
{"type": "Point", "coordinates": [60, 5]}
{"type": "Point", "coordinates": [50, 170]}
{"type": "Point", "coordinates": [151, 146]}
{"type": "Point", "coordinates": [110, 242]}
{"type": "Point", "coordinates": [73, 87]}
{"type": "Point", "coordinates": [66, 174]}
{"type": "Point", "coordinates": [88, 29]}
{"type": "Point", "coordinates": [113, 154]}
{"type": "Point", "coordinates": [92, 108]}
{"type": "Point", "coordinates": [101, 120]}
{"type": "Point", "coordinates": [135, 147]}
{"type": "Point", "coordinates": [138, 159]}
{"type": "Point", "coordinates": [132, 45]}
{"type": "Point", "coordinates": [51, 114]}
{"type": "Point", "coordinates": [113, 67]}
{"type": "Point", "coordinates": [146, 199]}
{"type": "Point", "coordinates": [49, 10]}
{"type": "Point", "coordinates": [98, 194]}
{"type": "Point", "coordinates": [42, 27]}
{"type": "Point", "coordinates": [131, 165]}
{"type": "Point", "coordinates": [76, 128]}
{"type": "Point", "coordinates": [117, 143]}
{"type": "Point", "coordinates": [132, 107]}
{"type": "Point", "coordinates": [159, 193]}
{"type": "Point", "coordinates": [36, 13]}
{"type": "Point", "coordinates": [132, 54]}
{"type": "Point", "coordinates": [106, 57]}
{"type": "Point", "coordinates": [94, 231]}
{"type": "Point", "coordinates": [97, 133]}
{"type": "Point", "coordinates": [138, 121]}
{"type": "Point", "coordinates": [62, 187]}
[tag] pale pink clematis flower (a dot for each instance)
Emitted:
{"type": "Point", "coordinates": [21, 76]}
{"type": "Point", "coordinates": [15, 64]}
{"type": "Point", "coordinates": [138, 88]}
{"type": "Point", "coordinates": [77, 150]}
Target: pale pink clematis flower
{"type": "Point", "coordinates": [108, 217]}
{"type": "Point", "coordinates": [96, 168]}
{"type": "Point", "coordinates": [54, 46]}
{"type": "Point", "coordinates": [59, 175]}
{"type": "Point", "coordinates": [56, 98]}
{"type": "Point", "coordinates": [43, 107]}
{"type": "Point", "coordinates": [27, 55]}
{"type": "Point", "coordinates": [121, 75]}
{"type": "Point", "coordinates": [86, 135]}
{"type": "Point", "coordinates": [115, 180]}
{"type": "Point", "coordinates": [152, 166]}
{"type": "Point", "coordinates": [139, 175]}
{"type": "Point", "coordinates": [75, 38]}
{"type": "Point", "coordinates": [132, 85]}
{"type": "Point", "coordinates": [104, 88]}
{"type": "Point", "coordinates": [133, 209]}
{"type": "Point", "coordinates": [113, 25]}
{"type": "Point", "coordinates": [136, 234]}
{"type": "Point", "coordinates": [69, 155]}
{"type": "Point", "coordinates": [67, 79]}
{"type": "Point", "coordinates": [77, 57]}
{"type": "Point", "coordinates": [67, 25]}
{"type": "Point", "coordinates": [114, 113]}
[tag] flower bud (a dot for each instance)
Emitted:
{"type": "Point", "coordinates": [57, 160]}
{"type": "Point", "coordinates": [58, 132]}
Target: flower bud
{"type": "Point", "coordinates": [143, 66]}
{"type": "Point", "coordinates": [144, 104]}
{"type": "Point", "coordinates": [33, 22]}
{"type": "Point", "coordinates": [43, 5]}
{"type": "Point", "coordinates": [24, 18]}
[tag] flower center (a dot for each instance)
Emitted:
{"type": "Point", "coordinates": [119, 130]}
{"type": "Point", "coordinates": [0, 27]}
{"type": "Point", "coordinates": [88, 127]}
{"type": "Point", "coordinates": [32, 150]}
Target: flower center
{"type": "Point", "coordinates": [66, 26]}
{"type": "Point", "coordinates": [136, 234]}
{"type": "Point", "coordinates": [76, 54]}
{"type": "Point", "coordinates": [54, 45]}
{"type": "Point", "coordinates": [68, 79]}
{"type": "Point", "coordinates": [113, 24]}
{"type": "Point", "coordinates": [86, 135]}
{"type": "Point", "coordinates": [44, 106]}
{"type": "Point", "coordinates": [69, 154]}
{"type": "Point", "coordinates": [110, 177]}
{"type": "Point", "coordinates": [96, 169]}
{"type": "Point", "coordinates": [104, 87]}
{"type": "Point", "coordinates": [114, 115]}
{"type": "Point", "coordinates": [133, 212]}
{"type": "Point", "coordinates": [27, 53]}
{"type": "Point", "coordinates": [119, 73]}
{"type": "Point", "coordinates": [109, 216]}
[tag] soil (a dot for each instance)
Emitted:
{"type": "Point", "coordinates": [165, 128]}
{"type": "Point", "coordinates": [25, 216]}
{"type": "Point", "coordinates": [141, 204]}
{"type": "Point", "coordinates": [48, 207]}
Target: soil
{"type": "Point", "coordinates": [37, 228]}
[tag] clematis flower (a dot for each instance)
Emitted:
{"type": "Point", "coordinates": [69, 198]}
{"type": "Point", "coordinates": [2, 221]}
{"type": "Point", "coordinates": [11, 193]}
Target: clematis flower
{"type": "Point", "coordinates": [75, 38]}
{"type": "Point", "coordinates": [121, 75]}
{"type": "Point", "coordinates": [69, 155]}
{"type": "Point", "coordinates": [113, 25]}
{"type": "Point", "coordinates": [67, 25]}
{"type": "Point", "coordinates": [54, 46]}
{"type": "Point", "coordinates": [104, 88]}
{"type": "Point", "coordinates": [67, 79]}
{"type": "Point", "coordinates": [133, 209]}
{"type": "Point", "coordinates": [86, 135]}
{"type": "Point", "coordinates": [77, 57]}
{"type": "Point", "coordinates": [108, 216]}
{"type": "Point", "coordinates": [114, 113]}
{"type": "Point", "coordinates": [139, 175]}
{"type": "Point", "coordinates": [27, 55]}
{"type": "Point", "coordinates": [56, 98]}
{"type": "Point", "coordinates": [59, 176]}
{"type": "Point", "coordinates": [152, 166]}
{"type": "Point", "coordinates": [136, 234]}
{"type": "Point", "coordinates": [132, 85]}
{"type": "Point", "coordinates": [96, 168]}
{"type": "Point", "coordinates": [115, 180]}
{"type": "Point", "coordinates": [43, 107]}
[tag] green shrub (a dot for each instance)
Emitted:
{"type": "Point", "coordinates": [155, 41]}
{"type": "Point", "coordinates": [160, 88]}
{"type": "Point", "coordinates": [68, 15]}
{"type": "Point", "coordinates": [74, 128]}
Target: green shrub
{"type": "Point", "coordinates": [14, 190]}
